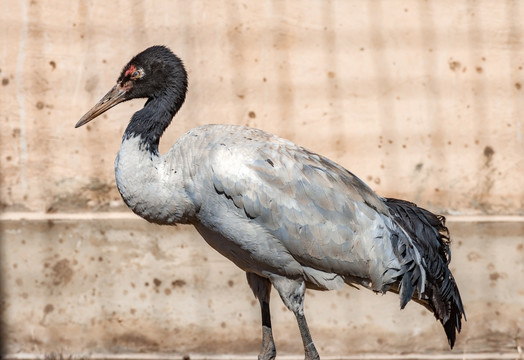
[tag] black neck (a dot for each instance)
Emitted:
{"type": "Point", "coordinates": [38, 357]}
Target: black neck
{"type": "Point", "coordinates": [150, 122]}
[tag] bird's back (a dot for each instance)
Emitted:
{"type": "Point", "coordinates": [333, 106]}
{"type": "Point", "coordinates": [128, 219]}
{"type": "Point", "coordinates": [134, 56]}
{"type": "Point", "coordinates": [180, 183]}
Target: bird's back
{"type": "Point", "coordinates": [322, 214]}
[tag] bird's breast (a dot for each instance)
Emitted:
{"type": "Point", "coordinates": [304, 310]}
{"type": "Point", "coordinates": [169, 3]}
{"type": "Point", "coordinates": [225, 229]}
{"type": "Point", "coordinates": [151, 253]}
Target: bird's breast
{"type": "Point", "coordinates": [151, 185]}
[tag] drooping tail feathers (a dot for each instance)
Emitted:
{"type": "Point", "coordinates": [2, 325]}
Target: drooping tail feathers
{"type": "Point", "coordinates": [430, 236]}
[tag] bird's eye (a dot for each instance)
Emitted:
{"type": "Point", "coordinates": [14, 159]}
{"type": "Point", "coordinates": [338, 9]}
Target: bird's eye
{"type": "Point", "coordinates": [134, 73]}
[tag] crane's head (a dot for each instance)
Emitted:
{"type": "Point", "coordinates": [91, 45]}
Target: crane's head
{"type": "Point", "coordinates": [154, 73]}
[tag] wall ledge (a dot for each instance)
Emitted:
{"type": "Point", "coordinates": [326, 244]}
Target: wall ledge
{"type": "Point", "coordinates": [133, 356]}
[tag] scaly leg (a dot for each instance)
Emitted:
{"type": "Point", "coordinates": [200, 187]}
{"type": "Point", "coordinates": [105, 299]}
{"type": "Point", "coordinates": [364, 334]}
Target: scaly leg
{"type": "Point", "coordinates": [261, 288]}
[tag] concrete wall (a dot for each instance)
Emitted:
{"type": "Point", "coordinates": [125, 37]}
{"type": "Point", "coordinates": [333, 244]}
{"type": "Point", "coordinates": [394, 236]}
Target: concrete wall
{"type": "Point", "coordinates": [422, 100]}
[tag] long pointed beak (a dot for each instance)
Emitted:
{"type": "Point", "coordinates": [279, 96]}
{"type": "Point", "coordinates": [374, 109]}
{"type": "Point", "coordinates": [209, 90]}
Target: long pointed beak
{"type": "Point", "coordinates": [115, 96]}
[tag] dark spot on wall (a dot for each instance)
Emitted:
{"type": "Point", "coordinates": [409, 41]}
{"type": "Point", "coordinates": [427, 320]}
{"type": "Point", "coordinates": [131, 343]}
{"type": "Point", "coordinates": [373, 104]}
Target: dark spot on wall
{"type": "Point", "coordinates": [186, 357]}
{"type": "Point", "coordinates": [62, 272]}
{"type": "Point", "coordinates": [5, 81]}
{"type": "Point", "coordinates": [178, 283]}
{"type": "Point", "coordinates": [494, 276]}
{"type": "Point", "coordinates": [157, 282]}
{"type": "Point", "coordinates": [53, 64]}
{"type": "Point", "coordinates": [270, 162]}
{"type": "Point", "coordinates": [331, 75]}
{"type": "Point", "coordinates": [167, 291]}
{"type": "Point", "coordinates": [230, 283]}
{"type": "Point", "coordinates": [454, 65]}
{"type": "Point", "coordinates": [479, 69]}
{"type": "Point", "coordinates": [488, 153]}
{"type": "Point", "coordinates": [419, 166]}
{"type": "Point", "coordinates": [97, 185]}
{"type": "Point", "coordinates": [252, 114]}
{"type": "Point", "coordinates": [40, 105]}
{"type": "Point", "coordinates": [474, 256]}
{"type": "Point", "coordinates": [520, 247]}
{"type": "Point", "coordinates": [48, 309]}
{"type": "Point", "coordinates": [135, 340]}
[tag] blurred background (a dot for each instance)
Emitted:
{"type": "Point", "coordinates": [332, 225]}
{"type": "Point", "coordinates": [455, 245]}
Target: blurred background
{"type": "Point", "coordinates": [422, 100]}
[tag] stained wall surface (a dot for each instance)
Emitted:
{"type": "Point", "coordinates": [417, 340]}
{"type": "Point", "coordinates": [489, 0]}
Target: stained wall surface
{"type": "Point", "coordinates": [422, 100]}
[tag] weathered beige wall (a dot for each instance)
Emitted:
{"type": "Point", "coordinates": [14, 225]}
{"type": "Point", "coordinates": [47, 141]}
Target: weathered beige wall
{"type": "Point", "coordinates": [108, 286]}
{"type": "Point", "coordinates": [422, 100]}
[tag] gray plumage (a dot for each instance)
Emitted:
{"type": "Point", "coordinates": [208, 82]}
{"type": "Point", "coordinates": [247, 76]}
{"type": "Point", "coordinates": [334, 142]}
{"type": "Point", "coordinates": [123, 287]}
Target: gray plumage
{"type": "Point", "coordinates": [288, 217]}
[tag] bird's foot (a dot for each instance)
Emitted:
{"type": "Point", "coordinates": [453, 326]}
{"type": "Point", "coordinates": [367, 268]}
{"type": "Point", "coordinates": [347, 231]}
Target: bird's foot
{"type": "Point", "coordinates": [268, 351]}
{"type": "Point", "coordinates": [268, 355]}
{"type": "Point", "coordinates": [311, 352]}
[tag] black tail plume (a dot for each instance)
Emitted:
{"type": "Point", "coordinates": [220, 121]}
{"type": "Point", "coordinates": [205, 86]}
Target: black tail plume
{"type": "Point", "coordinates": [431, 238]}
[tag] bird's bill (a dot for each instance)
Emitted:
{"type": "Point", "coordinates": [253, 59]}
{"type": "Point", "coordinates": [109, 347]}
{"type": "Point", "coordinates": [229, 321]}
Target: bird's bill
{"type": "Point", "coordinates": [115, 96]}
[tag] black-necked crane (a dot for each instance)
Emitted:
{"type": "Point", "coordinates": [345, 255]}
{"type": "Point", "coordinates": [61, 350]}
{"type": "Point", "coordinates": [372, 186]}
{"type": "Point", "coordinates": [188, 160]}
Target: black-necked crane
{"type": "Point", "coordinates": [288, 217]}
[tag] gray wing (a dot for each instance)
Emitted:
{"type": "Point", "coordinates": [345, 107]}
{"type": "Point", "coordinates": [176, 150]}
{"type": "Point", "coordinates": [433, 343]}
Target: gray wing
{"type": "Point", "coordinates": [325, 216]}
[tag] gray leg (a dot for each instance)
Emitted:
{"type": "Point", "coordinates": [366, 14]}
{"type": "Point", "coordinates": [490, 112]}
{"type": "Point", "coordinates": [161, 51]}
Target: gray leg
{"type": "Point", "coordinates": [292, 293]}
{"type": "Point", "coordinates": [261, 288]}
